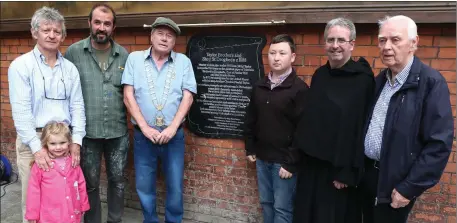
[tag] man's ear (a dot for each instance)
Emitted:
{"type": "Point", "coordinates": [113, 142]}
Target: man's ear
{"type": "Point", "coordinates": [34, 34]}
{"type": "Point", "coordinates": [415, 43]}
{"type": "Point", "coordinates": [293, 57]}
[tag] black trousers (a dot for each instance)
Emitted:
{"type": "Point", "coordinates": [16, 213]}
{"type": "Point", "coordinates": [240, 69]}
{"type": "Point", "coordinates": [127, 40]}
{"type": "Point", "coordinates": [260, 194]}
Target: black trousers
{"type": "Point", "coordinates": [115, 153]}
{"type": "Point", "coordinates": [380, 213]}
{"type": "Point", "coordinates": [318, 201]}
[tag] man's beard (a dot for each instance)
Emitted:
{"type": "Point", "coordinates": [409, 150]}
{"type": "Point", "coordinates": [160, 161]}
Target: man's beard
{"type": "Point", "coordinates": [98, 40]}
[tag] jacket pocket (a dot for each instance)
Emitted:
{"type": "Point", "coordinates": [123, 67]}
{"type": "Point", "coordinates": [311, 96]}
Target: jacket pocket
{"type": "Point", "coordinates": [413, 156]}
{"type": "Point", "coordinates": [293, 156]}
{"type": "Point", "coordinates": [76, 198]}
{"type": "Point", "coordinates": [116, 79]}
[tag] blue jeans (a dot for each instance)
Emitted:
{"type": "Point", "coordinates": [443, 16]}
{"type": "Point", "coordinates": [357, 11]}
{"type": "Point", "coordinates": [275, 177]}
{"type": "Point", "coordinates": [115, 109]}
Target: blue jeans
{"type": "Point", "coordinates": [146, 155]}
{"type": "Point", "coordinates": [276, 194]}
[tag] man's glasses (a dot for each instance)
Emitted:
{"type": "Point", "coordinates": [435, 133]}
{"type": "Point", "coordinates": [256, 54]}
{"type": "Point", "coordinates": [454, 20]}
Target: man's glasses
{"type": "Point", "coordinates": [339, 41]}
{"type": "Point", "coordinates": [52, 98]}
{"type": "Point", "coordinates": [44, 83]}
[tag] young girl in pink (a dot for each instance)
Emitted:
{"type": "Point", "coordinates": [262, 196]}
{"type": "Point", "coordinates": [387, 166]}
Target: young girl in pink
{"type": "Point", "coordinates": [58, 195]}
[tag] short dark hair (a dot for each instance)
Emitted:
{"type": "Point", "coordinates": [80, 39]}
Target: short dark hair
{"type": "Point", "coordinates": [284, 38]}
{"type": "Point", "coordinates": [105, 8]}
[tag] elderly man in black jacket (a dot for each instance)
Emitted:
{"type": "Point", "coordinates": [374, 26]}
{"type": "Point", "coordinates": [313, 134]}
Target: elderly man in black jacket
{"type": "Point", "coordinates": [410, 129]}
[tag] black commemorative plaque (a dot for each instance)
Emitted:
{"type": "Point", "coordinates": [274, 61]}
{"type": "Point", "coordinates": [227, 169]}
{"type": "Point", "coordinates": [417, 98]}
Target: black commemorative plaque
{"type": "Point", "coordinates": [226, 68]}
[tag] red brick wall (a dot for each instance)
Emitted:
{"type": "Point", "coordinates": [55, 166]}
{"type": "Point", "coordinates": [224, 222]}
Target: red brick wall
{"type": "Point", "coordinates": [220, 186]}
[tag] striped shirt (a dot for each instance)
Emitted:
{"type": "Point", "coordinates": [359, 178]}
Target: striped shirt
{"type": "Point", "coordinates": [29, 76]}
{"type": "Point", "coordinates": [373, 139]}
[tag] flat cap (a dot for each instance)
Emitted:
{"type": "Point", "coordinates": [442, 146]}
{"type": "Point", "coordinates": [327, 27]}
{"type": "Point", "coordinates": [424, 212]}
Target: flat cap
{"type": "Point", "coordinates": [162, 21]}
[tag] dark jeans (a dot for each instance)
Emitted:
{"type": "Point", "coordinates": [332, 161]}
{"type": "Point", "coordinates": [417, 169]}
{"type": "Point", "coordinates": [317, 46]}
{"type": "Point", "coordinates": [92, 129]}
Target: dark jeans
{"type": "Point", "coordinates": [276, 194]}
{"type": "Point", "coordinates": [115, 153]}
{"type": "Point", "coordinates": [146, 155]}
{"type": "Point", "coordinates": [380, 213]}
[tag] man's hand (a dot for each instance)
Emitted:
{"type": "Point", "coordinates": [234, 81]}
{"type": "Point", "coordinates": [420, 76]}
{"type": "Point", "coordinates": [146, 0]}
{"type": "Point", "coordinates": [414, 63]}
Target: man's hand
{"type": "Point", "coordinates": [251, 158]}
{"type": "Point", "coordinates": [284, 174]}
{"type": "Point", "coordinates": [150, 133]}
{"type": "Point", "coordinates": [75, 154]}
{"type": "Point", "coordinates": [42, 159]}
{"type": "Point", "coordinates": [398, 201]}
{"type": "Point", "coordinates": [166, 135]}
{"type": "Point", "coordinates": [339, 185]}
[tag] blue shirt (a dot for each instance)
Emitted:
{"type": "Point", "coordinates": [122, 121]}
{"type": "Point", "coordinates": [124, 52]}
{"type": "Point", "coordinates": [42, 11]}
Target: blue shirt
{"type": "Point", "coordinates": [373, 139]}
{"type": "Point", "coordinates": [135, 75]}
{"type": "Point", "coordinates": [29, 76]}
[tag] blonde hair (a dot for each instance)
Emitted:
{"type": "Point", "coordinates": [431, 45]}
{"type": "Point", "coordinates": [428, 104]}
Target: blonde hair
{"type": "Point", "coordinates": [55, 128]}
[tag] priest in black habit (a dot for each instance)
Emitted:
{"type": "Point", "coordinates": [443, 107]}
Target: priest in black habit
{"type": "Point", "coordinates": [330, 132]}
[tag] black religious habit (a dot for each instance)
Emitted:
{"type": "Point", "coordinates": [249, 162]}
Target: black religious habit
{"type": "Point", "coordinates": [330, 134]}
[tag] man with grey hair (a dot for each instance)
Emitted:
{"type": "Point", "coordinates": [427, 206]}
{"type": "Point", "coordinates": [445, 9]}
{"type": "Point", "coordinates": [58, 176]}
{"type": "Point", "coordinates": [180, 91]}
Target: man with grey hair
{"type": "Point", "coordinates": [409, 130]}
{"type": "Point", "coordinates": [158, 91]}
{"type": "Point", "coordinates": [330, 132]}
{"type": "Point", "coordinates": [44, 86]}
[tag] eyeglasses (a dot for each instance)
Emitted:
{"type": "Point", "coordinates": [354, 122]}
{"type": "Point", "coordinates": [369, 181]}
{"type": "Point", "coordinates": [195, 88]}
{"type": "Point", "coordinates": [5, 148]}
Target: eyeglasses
{"type": "Point", "coordinates": [51, 98]}
{"type": "Point", "coordinates": [339, 41]}
{"type": "Point", "coordinates": [44, 84]}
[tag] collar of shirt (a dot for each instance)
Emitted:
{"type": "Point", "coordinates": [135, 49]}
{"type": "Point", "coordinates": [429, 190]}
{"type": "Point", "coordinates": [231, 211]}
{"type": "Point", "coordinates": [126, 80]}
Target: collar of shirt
{"type": "Point", "coordinates": [87, 45]}
{"type": "Point", "coordinates": [37, 53]}
{"type": "Point", "coordinates": [401, 77]}
{"type": "Point", "coordinates": [281, 78]}
{"type": "Point", "coordinates": [147, 55]}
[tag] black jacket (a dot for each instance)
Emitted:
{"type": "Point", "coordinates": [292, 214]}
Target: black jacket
{"type": "Point", "coordinates": [271, 119]}
{"type": "Point", "coordinates": [332, 126]}
{"type": "Point", "coordinates": [418, 133]}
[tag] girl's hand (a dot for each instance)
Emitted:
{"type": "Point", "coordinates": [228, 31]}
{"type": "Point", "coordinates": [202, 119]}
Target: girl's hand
{"type": "Point", "coordinates": [32, 221]}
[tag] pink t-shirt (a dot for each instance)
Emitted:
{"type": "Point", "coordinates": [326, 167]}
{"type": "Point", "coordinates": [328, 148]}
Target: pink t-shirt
{"type": "Point", "coordinates": [60, 162]}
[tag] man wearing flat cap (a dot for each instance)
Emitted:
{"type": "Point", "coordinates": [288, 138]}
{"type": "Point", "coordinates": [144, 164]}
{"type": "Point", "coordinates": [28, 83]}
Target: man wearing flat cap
{"type": "Point", "coordinates": [158, 91]}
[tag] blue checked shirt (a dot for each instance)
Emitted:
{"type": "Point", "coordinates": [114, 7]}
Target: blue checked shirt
{"type": "Point", "coordinates": [373, 139]}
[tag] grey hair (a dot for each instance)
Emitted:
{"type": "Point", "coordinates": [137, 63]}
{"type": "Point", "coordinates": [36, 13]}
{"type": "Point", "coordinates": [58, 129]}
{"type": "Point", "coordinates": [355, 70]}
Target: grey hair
{"type": "Point", "coordinates": [48, 15]}
{"type": "Point", "coordinates": [411, 25]}
{"type": "Point", "coordinates": [343, 22]}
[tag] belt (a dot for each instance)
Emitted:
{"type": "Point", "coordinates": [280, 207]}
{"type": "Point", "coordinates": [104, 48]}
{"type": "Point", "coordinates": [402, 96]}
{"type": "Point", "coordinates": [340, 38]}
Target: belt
{"type": "Point", "coordinates": [41, 129]}
{"type": "Point", "coordinates": [371, 163]}
{"type": "Point", "coordinates": [161, 128]}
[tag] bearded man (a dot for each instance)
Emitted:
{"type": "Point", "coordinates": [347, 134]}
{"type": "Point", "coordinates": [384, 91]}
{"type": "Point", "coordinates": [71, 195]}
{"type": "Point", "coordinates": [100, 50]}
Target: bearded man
{"type": "Point", "coordinates": [100, 62]}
